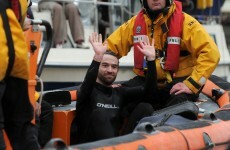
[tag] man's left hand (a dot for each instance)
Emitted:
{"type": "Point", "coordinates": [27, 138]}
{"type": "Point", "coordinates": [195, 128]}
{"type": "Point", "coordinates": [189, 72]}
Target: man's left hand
{"type": "Point", "coordinates": [116, 85]}
{"type": "Point", "coordinates": [180, 88]}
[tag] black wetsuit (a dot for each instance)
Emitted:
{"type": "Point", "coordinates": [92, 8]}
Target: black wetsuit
{"type": "Point", "coordinates": [99, 107]}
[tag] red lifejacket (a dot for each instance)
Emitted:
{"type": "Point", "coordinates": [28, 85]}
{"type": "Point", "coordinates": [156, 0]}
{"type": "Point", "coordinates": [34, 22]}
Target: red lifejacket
{"type": "Point", "coordinates": [14, 4]}
{"type": "Point", "coordinates": [173, 39]}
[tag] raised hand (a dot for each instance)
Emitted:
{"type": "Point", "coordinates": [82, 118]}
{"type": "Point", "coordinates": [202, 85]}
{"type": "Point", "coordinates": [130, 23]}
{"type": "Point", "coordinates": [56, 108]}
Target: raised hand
{"type": "Point", "coordinates": [147, 49]}
{"type": "Point", "coordinates": [96, 41]}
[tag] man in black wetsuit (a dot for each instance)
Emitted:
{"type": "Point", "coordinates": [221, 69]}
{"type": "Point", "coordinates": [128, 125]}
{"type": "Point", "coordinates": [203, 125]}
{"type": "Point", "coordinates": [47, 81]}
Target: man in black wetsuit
{"type": "Point", "coordinates": [99, 105]}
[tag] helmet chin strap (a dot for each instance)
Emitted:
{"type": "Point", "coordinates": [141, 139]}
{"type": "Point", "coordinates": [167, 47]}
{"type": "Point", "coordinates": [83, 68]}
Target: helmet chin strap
{"type": "Point", "coordinates": [168, 2]}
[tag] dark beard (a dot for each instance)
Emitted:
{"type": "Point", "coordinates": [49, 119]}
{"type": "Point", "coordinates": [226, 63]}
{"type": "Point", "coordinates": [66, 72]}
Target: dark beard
{"type": "Point", "coordinates": [105, 81]}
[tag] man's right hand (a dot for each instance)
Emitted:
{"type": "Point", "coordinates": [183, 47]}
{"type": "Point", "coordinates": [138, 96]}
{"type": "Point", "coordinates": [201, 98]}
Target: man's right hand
{"type": "Point", "coordinates": [98, 47]}
{"type": "Point", "coordinates": [180, 88]}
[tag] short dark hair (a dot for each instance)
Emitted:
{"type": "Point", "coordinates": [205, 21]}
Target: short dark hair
{"type": "Point", "coordinates": [109, 52]}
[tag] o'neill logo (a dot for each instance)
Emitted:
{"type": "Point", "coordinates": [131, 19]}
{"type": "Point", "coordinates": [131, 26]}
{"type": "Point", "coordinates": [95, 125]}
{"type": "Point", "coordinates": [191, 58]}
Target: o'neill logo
{"type": "Point", "coordinates": [173, 40]}
{"type": "Point", "coordinates": [138, 29]}
{"type": "Point", "coordinates": [107, 106]}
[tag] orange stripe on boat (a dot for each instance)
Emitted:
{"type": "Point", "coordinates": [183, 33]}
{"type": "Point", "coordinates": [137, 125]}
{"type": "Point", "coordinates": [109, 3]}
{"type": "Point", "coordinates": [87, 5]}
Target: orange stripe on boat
{"type": "Point", "coordinates": [209, 85]}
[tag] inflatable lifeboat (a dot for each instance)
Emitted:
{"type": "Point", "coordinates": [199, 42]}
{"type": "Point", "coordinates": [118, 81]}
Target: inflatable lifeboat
{"type": "Point", "coordinates": [204, 124]}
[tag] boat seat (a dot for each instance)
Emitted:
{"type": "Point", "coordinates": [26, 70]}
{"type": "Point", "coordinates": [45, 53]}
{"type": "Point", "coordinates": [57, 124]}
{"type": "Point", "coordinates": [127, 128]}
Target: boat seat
{"type": "Point", "coordinates": [182, 112]}
{"type": "Point", "coordinates": [60, 97]}
{"type": "Point", "coordinates": [186, 109]}
{"type": "Point", "coordinates": [63, 118]}
{"type": "Point", "coordinates": [63, 102]}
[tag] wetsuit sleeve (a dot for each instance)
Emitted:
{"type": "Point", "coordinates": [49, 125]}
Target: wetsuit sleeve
{"type": "Point", "coordinates": [88, 83]}
{"type": "Point", "coordinates": [146, 92]}
{"type": "Point", "coordinates": [150, 89]}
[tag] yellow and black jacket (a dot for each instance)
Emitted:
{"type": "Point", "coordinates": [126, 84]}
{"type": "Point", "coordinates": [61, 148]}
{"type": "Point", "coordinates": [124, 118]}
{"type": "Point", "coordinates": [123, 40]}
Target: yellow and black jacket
{"type": "Point", "coordinates": [203, 55]}
{"type": "Point", "coordinates": [18, 66]}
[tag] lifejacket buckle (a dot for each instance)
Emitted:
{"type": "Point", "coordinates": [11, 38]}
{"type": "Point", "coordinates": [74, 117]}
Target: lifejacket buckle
{"type": "Point", "coordinates": [159, 54]}
{"type": "Point", "coordinates": [162, 62]}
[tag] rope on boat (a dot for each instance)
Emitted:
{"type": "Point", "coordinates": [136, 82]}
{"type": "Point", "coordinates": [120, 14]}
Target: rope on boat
{"type": "Point", "coordinates": [41, 92]}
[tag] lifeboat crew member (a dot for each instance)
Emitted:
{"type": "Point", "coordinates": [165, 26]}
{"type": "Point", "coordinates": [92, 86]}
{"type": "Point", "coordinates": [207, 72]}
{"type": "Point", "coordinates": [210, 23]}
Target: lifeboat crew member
{"type": "Point", "coordinates": [186, 54]}
{"type": "Point", "coordinates": [16, 111]}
